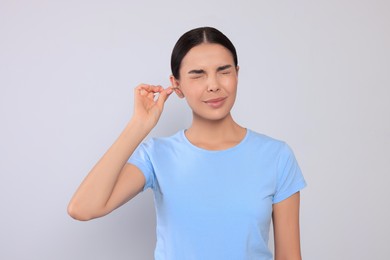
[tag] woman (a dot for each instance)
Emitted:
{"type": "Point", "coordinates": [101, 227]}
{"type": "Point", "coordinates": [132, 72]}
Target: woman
{"type": "Point", "coordinates": [217, 185]}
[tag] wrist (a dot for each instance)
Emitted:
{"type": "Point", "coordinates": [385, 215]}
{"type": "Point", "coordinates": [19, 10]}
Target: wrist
{"type": "Point", "coordinates": [140, 126]}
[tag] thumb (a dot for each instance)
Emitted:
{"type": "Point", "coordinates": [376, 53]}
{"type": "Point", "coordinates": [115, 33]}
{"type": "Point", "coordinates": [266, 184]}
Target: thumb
{"type": "Point", "coordinates": [163, 97]}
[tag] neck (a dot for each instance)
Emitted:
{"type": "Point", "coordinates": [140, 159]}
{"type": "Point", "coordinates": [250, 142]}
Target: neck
{"type": "Point", "coordinates": [215, 134]}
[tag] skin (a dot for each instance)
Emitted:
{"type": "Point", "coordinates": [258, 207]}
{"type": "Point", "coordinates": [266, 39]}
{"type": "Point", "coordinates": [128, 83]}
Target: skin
{"type": "Point", "coordinates": [208, 73]}
{"type": "Point", "coordinates": [208, 81]}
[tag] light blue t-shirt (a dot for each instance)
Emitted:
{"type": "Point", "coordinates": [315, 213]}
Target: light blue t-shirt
{"type": "Point", "coordinates": [216, 204]}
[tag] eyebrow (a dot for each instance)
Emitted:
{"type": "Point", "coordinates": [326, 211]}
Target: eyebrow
{"type": "Point", "coordinates": [228, 66]}
{"type": "Point", "coordinates": [196, 72]}
{"type": "Point", "coordinates": [221, 68]}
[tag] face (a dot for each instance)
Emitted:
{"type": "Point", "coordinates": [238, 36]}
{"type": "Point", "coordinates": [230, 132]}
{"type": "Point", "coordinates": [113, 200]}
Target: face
{"type": "Point", "coordinates": [208, 81]}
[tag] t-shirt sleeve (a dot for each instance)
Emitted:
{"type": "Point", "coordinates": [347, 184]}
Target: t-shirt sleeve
{"type": "Point", "coordinates": [141, 159]}
{"type": "Point", "coordinates": [289, 179]}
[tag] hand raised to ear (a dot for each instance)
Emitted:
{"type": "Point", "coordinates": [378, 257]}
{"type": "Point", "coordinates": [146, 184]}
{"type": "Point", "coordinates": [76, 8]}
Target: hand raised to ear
{"type": "Point", "coordinates": [176, 86]}
{"type": "Point", "coordinates": [148, 109]}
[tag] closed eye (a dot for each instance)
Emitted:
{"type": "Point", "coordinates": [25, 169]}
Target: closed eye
{"type": "Point", "coordinates": [195, 74]}
{"type": "Point", "coordinates": [226, 69]}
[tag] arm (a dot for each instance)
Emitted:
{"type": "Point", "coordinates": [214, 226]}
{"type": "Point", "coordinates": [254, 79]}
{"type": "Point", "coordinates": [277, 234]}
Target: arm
{"type": "Point", "coordinates": [285, 218]}
{"type": "Point", "coordinates": [112, 181]}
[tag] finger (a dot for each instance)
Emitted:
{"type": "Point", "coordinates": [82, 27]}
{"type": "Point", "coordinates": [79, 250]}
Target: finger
{"type": "Point", "coordinates": [151, 95]}
{"type": "Point", "coordinates": [155, 93]}
{"type": "Point", "coordinates": [164, 96]}
{"type": "Point", "coordinates": [145, 89]}
{"type": "Point", "coordinates": [152, 88]}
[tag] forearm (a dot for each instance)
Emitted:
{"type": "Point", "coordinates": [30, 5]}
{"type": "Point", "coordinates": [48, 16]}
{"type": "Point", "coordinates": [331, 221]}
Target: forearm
{"type": "Point", "coordinates": [91, 197]}
{"type": "Point", "coordinates": [288, 257]}
{"type": "Point", "coordinates": [286, 229]}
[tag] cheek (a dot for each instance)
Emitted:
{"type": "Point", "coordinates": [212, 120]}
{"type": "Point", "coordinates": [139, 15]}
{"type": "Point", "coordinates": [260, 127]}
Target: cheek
{"type": "Point", "coordinates": [193, 88]}
{"type": "Point", "coordinates": [230, 83]}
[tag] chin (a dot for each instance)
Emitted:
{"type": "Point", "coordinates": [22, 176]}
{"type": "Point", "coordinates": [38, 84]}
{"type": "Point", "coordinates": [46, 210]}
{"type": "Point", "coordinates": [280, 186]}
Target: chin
{"type": "Point", "coordinates": [212, 116]}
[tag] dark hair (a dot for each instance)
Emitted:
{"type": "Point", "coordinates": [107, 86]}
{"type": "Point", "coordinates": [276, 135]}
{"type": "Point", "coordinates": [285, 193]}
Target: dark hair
{"type": "Point", "coordinates": [196, 37]}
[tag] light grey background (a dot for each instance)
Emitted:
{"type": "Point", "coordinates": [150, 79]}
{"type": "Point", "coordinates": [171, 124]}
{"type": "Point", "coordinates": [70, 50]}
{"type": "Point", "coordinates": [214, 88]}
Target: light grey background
{"type": "Point", "coordinates": [313, 73]}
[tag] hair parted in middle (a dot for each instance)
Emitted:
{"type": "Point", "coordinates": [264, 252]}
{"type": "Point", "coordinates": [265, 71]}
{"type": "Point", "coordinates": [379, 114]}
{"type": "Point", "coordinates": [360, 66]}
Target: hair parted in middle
{"type": "Point", "coordinates": [196, 37]}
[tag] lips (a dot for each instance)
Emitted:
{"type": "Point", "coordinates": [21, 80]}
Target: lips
{"type": "Point", "coordinates": [215, 102]}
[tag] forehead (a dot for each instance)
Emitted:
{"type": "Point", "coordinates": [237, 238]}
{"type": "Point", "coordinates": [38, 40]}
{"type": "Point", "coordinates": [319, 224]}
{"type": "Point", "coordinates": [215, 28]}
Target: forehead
{"type": "Point", "coordinates": [207, 55]}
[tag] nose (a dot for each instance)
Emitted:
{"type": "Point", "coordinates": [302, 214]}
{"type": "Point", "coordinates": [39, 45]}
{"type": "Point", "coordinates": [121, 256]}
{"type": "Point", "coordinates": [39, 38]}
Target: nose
{"type": "Point", "coordinates": [212, 84]}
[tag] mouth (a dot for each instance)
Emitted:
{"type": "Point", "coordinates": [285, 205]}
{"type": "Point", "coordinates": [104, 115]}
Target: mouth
{"type": "Point", "coordinates": [215, 102]}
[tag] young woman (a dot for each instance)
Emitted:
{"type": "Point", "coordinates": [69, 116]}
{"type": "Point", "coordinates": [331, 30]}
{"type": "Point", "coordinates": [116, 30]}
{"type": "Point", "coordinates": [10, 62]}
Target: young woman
{"type": "Point", "coordinates": [217, 185]}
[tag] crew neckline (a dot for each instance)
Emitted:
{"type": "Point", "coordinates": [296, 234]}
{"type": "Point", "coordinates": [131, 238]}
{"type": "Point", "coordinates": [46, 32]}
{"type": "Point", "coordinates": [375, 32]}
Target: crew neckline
{"type": "Point", "coordinates": [243, 140]}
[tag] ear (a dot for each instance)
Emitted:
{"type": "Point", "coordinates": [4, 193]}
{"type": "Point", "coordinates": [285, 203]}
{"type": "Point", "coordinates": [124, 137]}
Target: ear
{"type": "Point", "coordinates": [176, 86]}
{"type": "Point", "coordinates": [237, 69]}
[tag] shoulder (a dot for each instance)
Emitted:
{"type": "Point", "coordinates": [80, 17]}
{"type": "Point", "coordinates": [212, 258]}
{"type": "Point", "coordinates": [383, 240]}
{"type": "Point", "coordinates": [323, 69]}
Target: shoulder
{"type": "Point", "coordinates": [163, 142]}
{"type": "Point", "coordinates": [264, 140]}
{"type": "Point", "coordinates": [269, 146]}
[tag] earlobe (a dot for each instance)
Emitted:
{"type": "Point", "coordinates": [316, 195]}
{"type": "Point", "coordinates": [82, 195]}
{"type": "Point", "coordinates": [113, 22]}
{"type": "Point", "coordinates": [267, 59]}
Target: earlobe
{"type": "Point", "coordinates": [179, 93]}
{"type": "Point", "coordinates": [176, 86]}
